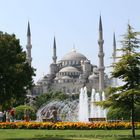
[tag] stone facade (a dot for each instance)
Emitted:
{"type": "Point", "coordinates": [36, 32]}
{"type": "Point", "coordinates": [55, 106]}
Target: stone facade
{"type": "Point", "coordinates": [69, 74]}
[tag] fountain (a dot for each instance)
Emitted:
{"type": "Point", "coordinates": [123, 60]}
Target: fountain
{"type": "Point", "coordinates": [76, 110]}
{"type": "Point", "coordinates": [67, 110]}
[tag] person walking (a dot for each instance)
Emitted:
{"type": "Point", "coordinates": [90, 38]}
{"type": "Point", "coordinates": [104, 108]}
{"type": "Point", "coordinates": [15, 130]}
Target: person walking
{"type": "Point", "coordinates": [1, 116]}
{"type": "Point", "coordinates": [4, 116]}
{"type": "Point", "coordinates": [12, 114]}
{"type": "Point", "coordinates": [54, 114]}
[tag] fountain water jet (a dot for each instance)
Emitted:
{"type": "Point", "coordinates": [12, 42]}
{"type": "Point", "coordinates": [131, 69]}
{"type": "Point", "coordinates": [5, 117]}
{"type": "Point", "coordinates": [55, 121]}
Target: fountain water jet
{"type": "Point", "coordinates": [104, 110]}
{"type": "Point", "coordinates": [83, 105]}
{"type": "Point", "coordinates": [97, 111]}
{"type": "Point", "coordinates": [93, 106]}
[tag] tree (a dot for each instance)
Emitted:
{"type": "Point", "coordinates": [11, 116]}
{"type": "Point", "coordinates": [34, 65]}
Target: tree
{"type": "Point", "coordinates": [123, 114]}
{"type": "Point", "coordinates": [127, 69]}
{"type": "Point", "coordinates": [48, 97]}
{"type": "Point", "coordinates": [15, 72]}
{"type": "Point", "coordinates": [118, 114]}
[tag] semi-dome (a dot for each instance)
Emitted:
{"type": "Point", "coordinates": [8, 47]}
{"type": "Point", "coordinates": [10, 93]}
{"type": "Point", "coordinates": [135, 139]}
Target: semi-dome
{"type": "Point", "coordinates": [73, 55]}
{"type": "Point", "coordinates": [69, 69]}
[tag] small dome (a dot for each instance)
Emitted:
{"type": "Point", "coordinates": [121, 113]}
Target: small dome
{"type": "Point", "coordinates": [56, 78]}
{"type": "Point", "coordinates": [93, 76]}
{"type": "Point", "coordinates": [87, 61]}
{"type": "Point", "coordinates": [66, 78]}
{"type": "Point", "coordinates": [96, 70]}
{"type": "Point", "coordinates": [69, 69]}
{"type": "Point", "coordinates": [73, 55]}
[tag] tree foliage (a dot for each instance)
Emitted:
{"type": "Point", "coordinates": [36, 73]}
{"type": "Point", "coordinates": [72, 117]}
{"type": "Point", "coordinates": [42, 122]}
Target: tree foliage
{"type": "Point", "coordinates": [49, 96]}
{"type": "Point", "coordinates": [123, 114]}
{"type": "Point", "coordinates": [127, 69]}
{"type": "Point", "coordinates": [15, 73]}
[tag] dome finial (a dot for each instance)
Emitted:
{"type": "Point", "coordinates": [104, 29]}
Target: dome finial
{"type": "Point", "coordinates": [73, 49]}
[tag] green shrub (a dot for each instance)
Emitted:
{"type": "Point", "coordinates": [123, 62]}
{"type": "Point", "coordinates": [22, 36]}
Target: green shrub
{"type": "Point", "coordinates": [20, 112]}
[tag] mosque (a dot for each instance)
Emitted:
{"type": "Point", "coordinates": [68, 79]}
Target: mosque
{"type": "Point", "coordinates": [74, 70]}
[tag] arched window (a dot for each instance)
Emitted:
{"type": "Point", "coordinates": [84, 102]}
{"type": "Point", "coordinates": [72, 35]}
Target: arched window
{"type": "Point", "coordinates": [66, 62]}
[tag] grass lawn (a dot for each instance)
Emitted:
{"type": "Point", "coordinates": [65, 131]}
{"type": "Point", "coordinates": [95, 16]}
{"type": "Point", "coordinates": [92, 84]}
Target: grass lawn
{"type": "Point", "coordinates": [21, 134]}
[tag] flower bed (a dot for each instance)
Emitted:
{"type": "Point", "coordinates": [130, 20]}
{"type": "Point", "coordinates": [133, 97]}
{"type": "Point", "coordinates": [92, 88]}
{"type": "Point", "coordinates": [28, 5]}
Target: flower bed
{"type": "Point", "coordinates": [68, 125]}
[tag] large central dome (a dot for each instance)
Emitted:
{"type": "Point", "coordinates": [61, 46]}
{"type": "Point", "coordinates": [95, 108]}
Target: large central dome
{"type": "Point", "coordinates": [73, 55]}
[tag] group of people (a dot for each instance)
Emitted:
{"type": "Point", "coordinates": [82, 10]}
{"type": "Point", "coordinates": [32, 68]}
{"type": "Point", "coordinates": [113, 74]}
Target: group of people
{"type": "Point", "coordinates": [51, 115]}
{"type": "Point", "coordinates": [7, 116]}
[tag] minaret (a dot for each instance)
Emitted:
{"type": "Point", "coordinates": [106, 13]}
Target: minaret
{"type": "Point", "coordinates": [114, 58]}
{"type": "Point", "coordinates": [54, 52]}
{"type": "Point", "coordinates": [114, 49]}
{"type": "Point", "coordinates": [29, 45]}
{"type": "Point", "coordinates": [101, 57]}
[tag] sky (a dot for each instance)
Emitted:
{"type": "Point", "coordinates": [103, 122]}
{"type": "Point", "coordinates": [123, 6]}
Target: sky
{"type": "Point", "coordinates": [72, 22]}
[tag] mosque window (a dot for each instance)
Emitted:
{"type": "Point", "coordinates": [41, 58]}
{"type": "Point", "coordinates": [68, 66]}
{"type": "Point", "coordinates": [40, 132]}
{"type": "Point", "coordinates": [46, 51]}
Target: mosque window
{"type": "Point", "coordinates": [73, 62]}
{"type": "Point", "coordinates": [66, 63]}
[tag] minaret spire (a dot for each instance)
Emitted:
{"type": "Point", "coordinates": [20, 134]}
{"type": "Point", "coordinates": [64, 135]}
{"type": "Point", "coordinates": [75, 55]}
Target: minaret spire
{"type": "Point", "coordinates": [29, 45]}
{"type": "Point", "coordinates": [28, 30]}
{"type": "Point", "coordinates": [114, 58]}
{"type": "Point", "coordinates": [114, 48]}
{"type": "Point", "coordinates": [100, 24]}
{"type": "Point", "coordinates": [54, 52]}
{"type": "Point", "coordinates": [101, 56]}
